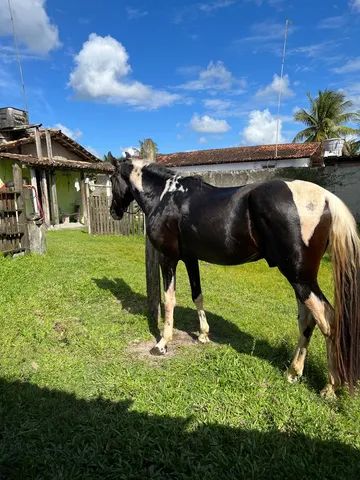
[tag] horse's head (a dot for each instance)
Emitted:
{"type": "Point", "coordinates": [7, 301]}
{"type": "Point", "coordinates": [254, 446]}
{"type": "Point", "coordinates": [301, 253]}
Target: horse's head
{"type": "Point", "coordinates": [121, 192]}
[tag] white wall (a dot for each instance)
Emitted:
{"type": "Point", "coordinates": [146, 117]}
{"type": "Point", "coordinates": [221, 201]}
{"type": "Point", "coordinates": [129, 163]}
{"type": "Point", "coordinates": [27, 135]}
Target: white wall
{"type": "Point", "coordinates": [258, 165]}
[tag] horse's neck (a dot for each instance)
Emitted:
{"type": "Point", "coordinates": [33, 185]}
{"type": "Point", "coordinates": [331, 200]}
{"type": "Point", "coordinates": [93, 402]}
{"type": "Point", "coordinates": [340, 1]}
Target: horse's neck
{"type": "Point", "coordinates": [149, 195]}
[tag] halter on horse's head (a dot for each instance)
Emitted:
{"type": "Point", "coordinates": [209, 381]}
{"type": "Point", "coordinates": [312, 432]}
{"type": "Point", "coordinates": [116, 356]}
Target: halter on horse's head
{"type": "Point", "coordinates": [121, 192]}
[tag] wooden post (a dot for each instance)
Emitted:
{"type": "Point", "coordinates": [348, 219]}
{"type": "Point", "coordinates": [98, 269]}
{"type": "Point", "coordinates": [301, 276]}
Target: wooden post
{"type": "Point", "coordinates": [20, 204]}
{"type": "Point", "coordinates": [87, 202]}
{"type": "Point", "coordinates": [34, 191]}
{"type": "Point", "coordinates": [54, 200]}
{"type": "Point", "coordinates": [84, 206]}
{"type": "Point", "coordinates": [45, 197]}
{"type": "Point", "coordinates": [44, 187]}
{"type": "Point", "coordinates": [152, 259]}
{"type": "Point", "coordinates": [38, 144]}
{"type": "Point", "coordinates": [48, 145]}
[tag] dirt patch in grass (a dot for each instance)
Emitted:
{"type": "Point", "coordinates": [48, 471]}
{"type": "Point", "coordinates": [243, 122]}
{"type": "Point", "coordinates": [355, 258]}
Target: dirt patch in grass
{"type": "Point", "coordinates": [141, 350]}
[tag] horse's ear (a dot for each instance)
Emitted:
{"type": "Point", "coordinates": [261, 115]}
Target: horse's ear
{"type": "Point", "coordinates": [110, 158]}
{"type": "Point", "coordinates": [127, 156]}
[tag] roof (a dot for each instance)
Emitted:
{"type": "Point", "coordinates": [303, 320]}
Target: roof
{"type": "Point", "coordinates": [241, 154]}
{"type": "Point", "coordinates": [57, 135]}
{"type": "Point", "coordinates": [64, 163]}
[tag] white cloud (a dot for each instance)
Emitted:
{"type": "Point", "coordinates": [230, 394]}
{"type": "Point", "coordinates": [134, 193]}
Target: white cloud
{"type": "Point", "coordinates": [74, 134]}
{"type": "Point", "coordinates": [261, 128]}
{"type": "Point", "coordinates": [132, 151]}
{"type": "Point", "coordinates": [207, 124]}
{"type": "Point", "coordinates": [135, 13]}
{"type": "Point", "coordinates": [202, 140]}
{"type": "Point", "coordinates": [332, 22]}
{"type": "Point", "coordinates": [216, 104]}
{"type": "Point", "coordinates": [352, 92]}
{"type": "Point", "coordinates": [210, 7]}
{"type": "Point", "coordinates": [355, 5]}
{"type": "Point", "coordinates": [214, 77]}
{"type": "Point", "coordinates": [275, 86]}
{"type": "Point", "coordinates": [33, 27]}
{"type": "Point", "coordinates": [352, 65]}
{"type": "Point", "coordinates": [102, 73]}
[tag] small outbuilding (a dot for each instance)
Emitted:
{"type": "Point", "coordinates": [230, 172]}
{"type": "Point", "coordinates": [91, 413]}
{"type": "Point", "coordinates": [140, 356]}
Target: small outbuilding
{"type": "Point", "coordinates": [55, 167]}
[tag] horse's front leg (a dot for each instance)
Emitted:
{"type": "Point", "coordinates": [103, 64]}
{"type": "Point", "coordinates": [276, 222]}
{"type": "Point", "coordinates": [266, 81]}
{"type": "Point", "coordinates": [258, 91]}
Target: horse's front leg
{"type": "Point", "coordinates": [192, 267]}
{"type": "Point", "coordinates": [168, 269]}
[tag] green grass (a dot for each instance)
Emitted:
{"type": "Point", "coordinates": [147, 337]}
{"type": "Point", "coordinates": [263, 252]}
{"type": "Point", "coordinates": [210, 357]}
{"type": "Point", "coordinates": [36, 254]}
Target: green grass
{"type": "Point", "coordinates": [75, 404]}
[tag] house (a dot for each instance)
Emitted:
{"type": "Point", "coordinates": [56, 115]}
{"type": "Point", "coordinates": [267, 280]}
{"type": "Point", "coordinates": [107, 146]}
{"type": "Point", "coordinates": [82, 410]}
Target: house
{"type": "Point", "coordinates": [55, 167]}
{"type": "Point", "coordinates": [245, 158]}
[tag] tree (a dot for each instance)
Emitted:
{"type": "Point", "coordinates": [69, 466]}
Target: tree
{"type": "Point", "coordinates": [326, 118]}
{"type": "Point", "coordinates": [352, 148]}
{"type": "Point", "coordinates": [148, 148]}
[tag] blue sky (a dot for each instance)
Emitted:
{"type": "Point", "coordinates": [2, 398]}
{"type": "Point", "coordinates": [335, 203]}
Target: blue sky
{"type": "Point", "coordinates": [189, 74]}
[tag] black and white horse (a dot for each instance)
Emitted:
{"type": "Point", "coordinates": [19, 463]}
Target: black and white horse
{"type": "Point", "coordinates": [288, 223]}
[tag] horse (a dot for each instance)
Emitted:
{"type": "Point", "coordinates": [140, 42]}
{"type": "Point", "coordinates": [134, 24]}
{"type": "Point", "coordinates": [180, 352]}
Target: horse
{"type": "Point", "coordinates": [289, 223]}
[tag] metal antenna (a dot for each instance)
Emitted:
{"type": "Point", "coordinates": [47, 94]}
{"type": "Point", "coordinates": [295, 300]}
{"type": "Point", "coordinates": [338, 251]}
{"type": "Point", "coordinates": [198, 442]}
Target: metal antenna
{"type": "Point", "coordinates": [280, 89]}
{"type": "Point", "coordinates": [18, 58]}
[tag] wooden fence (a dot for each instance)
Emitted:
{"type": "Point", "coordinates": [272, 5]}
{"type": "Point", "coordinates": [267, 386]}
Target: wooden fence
{"type": "Point", "coordinates": [102, 223]}
{"type": "Point", "coordinates": [13, 226]}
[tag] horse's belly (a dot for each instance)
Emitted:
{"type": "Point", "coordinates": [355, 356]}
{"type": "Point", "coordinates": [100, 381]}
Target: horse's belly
{"type": "Point", "coordinates": [212, 250]}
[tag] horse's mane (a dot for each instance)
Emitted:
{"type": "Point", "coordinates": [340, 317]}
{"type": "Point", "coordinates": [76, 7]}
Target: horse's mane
{"type": "Point", "coordinates": [165, 173]}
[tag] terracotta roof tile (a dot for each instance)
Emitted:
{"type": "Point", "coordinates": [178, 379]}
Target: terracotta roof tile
{"type": "Point", "coordinates": [56, 135]}
{"type": "Point", "coordinates": [240, 154]}
{"type": "Point", "coordinates": [65, 163]}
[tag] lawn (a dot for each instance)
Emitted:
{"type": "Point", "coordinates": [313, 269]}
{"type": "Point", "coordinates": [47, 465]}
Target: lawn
{"type": "Point", "coordinates": [76, 402]}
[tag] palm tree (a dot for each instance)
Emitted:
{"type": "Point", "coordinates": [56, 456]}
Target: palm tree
{"type": "Point", "coordinates": [352, 148]}
{"type": "Point", "coordinates": [328, 113]}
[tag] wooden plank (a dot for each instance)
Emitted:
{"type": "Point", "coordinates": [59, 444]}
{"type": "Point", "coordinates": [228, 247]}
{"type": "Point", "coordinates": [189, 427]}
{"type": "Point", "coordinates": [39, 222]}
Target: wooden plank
{"type": "Point", "coordinates": [45, 197]}
{"type": "Point", "coordinates": [48, 145]}
{"type": "Point", "coordinates": [54, 199]}
{"type": "Point", "coordinates": [87, 202]}
{"type": "Point", "coordinates": [20, 216]}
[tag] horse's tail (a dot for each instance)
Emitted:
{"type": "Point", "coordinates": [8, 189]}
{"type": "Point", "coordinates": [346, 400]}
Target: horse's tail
{"type": "Point", "coordinates": [344, 248]}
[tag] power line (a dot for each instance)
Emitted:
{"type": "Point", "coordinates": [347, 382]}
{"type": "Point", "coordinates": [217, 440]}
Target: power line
{"type": "Point", "coordinates": [280, 88]}
{"type": "Point", "coordinates": [18, 58]}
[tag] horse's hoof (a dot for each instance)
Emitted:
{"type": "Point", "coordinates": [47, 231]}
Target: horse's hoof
{"type": "Point", "coordinates": [328, 392]}
{"type": "Point", "coordinates": [203, 338]}
{"type": "Point", "coordinates": [158, 351]}
{"type": "Point", "coordinates": [292, 376]}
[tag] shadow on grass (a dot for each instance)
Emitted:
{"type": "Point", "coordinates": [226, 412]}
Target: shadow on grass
{"type": "Point", "coordinates": [221, 331]}
{"type": "Point", "coordinates": [50, 434]}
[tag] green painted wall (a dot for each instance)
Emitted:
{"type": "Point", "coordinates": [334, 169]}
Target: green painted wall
{"type": "Point", "coordinates": [68, 197]}
{"type": "Point", "coordinates": [5, 170]}
{"type": "Point", "coordinates": [6, 173]}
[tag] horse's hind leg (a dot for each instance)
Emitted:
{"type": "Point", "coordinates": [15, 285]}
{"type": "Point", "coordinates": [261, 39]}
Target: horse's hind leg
{"type": "Point", "coordinates": [323, 313]}
{"type": "Point", "coordinates": [306, 327]}
{"type": "Point", "coordinates": [168, 269]}
{"type": "Point", "coordinates": [192, 267]}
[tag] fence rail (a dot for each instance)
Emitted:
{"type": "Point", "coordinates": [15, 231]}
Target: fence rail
{"type": "Point", "coordinates": [102, 223]}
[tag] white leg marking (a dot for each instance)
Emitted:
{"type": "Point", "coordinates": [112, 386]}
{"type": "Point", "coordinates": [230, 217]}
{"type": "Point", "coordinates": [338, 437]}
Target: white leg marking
{"type": "Point", "coordinates": [324, 317]}
{"type": "Point", "coordinates": [317, 308]}
{"type": "Point", "coordinates": [310, 203]}
{"type": "Point", "coordinates": [204, 326]}
{"type": "Point", "coordinates": [305, 321]}
{"type": "Point", "coordinates": [170, 302]}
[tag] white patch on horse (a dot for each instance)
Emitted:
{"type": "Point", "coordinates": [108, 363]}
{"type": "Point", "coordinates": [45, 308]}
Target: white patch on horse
{"type": "Point", "coordinates": [310, 203]}
{"type": "Point", "coordinates": [173, 185]}
{"type": "Point", "coordinates": [204, 326]}
{"type": "Point", "coordinates": [136, 178]}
